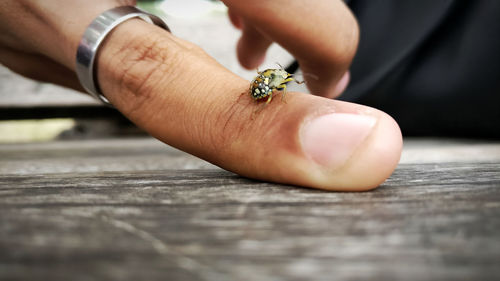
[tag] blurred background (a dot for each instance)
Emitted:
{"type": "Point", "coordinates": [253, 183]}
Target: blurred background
{"type": "Point", "coordinates": [33, 111]}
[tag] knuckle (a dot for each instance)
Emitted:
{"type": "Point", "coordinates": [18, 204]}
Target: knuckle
{"type": "Point", "coordinates": [139, 68]}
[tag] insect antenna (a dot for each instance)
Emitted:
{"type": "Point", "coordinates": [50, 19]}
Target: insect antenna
{"type": "Point", "coordinates": [315, 77]}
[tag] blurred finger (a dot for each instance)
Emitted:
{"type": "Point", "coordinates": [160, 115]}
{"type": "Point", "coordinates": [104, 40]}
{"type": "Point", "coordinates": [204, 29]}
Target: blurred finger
{"type": "Point", "coordinates": [39, 67]}
{"type": "Point", "coordinates": [252, 47]}
{"type": "Point", "coordinates": [235, 19]}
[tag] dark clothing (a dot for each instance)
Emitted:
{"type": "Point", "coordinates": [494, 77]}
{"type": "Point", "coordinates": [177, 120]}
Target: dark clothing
{"type": "Point", "coordinates": [433, 65]}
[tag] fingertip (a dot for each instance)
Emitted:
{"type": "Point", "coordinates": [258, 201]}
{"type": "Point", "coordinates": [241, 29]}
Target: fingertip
{"type": "Point", "coordinates": [321, 143]}
{"type": "Point", "coordinates": [334, 90]}
{"type": "Point", "coordinates": [235, 19]}
{"type": "Point", "coordinates": [342, 84]}
{"type": "Point", "coordinates": [249, 58]}
{"type": "Point", "coordinates": [252, 48]}
{"type": "Point", "coordinates": [376, 158]}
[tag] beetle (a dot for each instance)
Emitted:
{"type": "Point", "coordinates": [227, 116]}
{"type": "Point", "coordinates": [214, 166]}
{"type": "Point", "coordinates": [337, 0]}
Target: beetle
{"type": "Point", "coordinates": [267, 82]}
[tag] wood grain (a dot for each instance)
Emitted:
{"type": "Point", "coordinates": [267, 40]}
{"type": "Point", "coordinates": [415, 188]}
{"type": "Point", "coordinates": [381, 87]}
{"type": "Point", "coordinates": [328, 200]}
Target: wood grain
{"type": "Point", "coordinates": [434, 221]}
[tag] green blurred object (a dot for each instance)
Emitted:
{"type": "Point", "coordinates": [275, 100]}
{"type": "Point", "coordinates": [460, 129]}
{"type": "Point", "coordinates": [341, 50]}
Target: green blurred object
{"type": "Point", "coordinates": [183, 8]}
{"type": "Point", "coordinates": [16, 131]}
{"type": "Point", "coordinates": [150, 6]}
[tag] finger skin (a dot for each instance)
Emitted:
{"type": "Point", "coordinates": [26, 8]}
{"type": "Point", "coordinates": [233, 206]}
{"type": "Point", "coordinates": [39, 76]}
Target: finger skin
{"type": "Point", "coordinates": [39, 67]}
{"type": "Point", "coordinates": [235, 19]}
{"type": "Point", "coordinates": [38, 39]}
{"type": "Point", "coordinates": [50, 28]}
{"type": "Point", "coordinates": [184, 98]}
{"type": "Point", "coordinates": [327, 27]}
{"type": "Point", "coordinates": [252, 47]}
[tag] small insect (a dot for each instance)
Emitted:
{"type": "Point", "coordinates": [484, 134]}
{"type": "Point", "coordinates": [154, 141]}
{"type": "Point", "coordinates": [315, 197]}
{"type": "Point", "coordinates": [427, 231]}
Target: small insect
{"type": "Point", "coordinates": [268, 82]}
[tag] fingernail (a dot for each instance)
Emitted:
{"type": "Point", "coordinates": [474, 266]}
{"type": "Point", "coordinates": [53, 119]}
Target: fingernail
{"type": "Point", "coordinates": [330, 140]}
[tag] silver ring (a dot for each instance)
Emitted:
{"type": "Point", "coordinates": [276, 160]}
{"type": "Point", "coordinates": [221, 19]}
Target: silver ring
{"type": "Point", "coordinates": [94, 35]}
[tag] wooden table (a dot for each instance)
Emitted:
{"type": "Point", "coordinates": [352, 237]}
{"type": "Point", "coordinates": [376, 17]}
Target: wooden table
{"type": "Point", "coordinates": [135, 209]}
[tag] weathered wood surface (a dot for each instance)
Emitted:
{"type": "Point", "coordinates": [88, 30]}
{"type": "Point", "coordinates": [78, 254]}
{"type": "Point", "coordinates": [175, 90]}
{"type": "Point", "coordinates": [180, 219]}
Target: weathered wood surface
{"type": "Point", "coordinates": [143, 211]}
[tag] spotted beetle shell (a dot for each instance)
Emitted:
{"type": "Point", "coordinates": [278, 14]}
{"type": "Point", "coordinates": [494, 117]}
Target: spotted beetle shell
{"type": "Point", "coordinates": [266, 82]}
{"type": "Point", "coordinates": [259, 87]}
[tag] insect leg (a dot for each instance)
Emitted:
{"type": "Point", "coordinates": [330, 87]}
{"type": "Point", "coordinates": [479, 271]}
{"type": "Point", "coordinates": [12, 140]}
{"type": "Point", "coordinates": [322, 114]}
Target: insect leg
{"type": "Point", "coordinates": [283, 87]}
{"type": "Point", "coordinates": [295, 80]}
{"type": "Point", "coordinates": [269, 98]}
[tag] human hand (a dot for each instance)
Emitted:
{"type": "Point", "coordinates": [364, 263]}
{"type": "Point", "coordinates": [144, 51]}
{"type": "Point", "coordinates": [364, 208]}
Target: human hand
{"type": "Point", "coordinates": [176, 92]}
{"type": "Point", "coordinates": [323, 38]}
